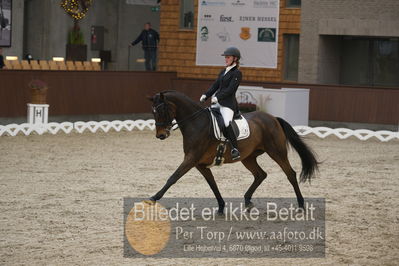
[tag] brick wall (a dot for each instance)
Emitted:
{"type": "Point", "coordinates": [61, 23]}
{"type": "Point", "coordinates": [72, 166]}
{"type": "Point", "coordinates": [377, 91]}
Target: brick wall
{"type": "Point", "coordinates": [177, 49]}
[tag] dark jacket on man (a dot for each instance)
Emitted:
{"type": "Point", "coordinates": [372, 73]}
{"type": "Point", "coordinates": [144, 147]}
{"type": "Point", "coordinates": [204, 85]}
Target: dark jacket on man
{"type": "Point", "coordinates": [148, 38]}
{"type": "Point", "coordinates": [1, 61]}
{"type": "Point", "coordinates": [225, 88]}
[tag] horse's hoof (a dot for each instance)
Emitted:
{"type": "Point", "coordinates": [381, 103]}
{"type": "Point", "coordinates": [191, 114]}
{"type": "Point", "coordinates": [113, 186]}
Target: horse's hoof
{"type": "Point", "coordinates": [301, 209]}
{"type": "Point", "coordinates": [301, 205]}
{"type": "Point", "coordinates": [149, 201]}
{"type": "Point", "coordinates": [249, 206]}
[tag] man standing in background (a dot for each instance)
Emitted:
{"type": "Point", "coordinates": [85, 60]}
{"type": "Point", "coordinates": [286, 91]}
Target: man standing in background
{"type": "Point", "coordinates": [149, 39]}
{"type": "Point", "coordinates": [1, 58]}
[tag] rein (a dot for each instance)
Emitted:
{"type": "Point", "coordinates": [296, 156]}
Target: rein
{"type": "Point", "coordinates": [171, 124]}
{"type": "Point", "coordinates": [187, 118]}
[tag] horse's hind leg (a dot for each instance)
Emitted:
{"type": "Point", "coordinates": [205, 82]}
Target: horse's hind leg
{"type": "Point", "coordinates": [282, 160]}
{"type": "Point", "coordinates": [207, 173]}
{"type": "Point", "coordinates": [252, 165]}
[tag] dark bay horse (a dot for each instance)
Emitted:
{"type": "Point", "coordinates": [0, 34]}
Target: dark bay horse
{"type": "Point", "coordinates": [268, 134]}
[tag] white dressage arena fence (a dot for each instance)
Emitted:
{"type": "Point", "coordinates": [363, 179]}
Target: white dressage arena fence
{"type": "Point", "coordinates": [78, 127]}
{"type": "Point", "coordinates": [130, 125]}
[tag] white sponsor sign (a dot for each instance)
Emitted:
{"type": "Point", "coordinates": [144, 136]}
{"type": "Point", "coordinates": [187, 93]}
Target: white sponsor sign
{"type": "Point", "coordinates": [249, 25]}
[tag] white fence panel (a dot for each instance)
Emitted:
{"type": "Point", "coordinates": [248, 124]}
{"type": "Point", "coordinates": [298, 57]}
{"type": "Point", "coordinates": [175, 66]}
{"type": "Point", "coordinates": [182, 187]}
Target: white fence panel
{"type": "Point", "coordinates": [129, 125]}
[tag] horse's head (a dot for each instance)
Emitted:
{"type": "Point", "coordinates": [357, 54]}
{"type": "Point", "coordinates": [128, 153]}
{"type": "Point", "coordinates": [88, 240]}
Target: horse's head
{"type": "Point", "coordinates": [164, 112]}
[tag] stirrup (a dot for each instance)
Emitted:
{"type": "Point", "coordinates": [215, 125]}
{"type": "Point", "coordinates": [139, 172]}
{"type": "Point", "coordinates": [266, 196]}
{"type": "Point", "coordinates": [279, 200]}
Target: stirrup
{"type": "Point", "coordinates": [235, 154]}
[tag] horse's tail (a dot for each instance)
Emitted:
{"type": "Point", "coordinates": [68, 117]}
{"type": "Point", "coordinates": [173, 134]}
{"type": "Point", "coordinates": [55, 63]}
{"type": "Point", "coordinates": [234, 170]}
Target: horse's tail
{"type": "Point", "coordinates": [308, 159]}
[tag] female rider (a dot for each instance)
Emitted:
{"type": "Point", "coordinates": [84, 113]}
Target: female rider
{"type": "Point", "coordinates": [222, 94]}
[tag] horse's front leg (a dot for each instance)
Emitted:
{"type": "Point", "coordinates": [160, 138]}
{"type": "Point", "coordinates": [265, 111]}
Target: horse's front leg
{"type": "Point", "coordinates": [188, 163]}
{"type": "Point", "coordinates": [207, 173]}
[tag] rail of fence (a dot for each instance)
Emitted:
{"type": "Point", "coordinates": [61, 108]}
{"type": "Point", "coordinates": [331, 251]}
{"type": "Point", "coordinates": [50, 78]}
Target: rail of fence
{"type": "Point", "coordinates": [129, 125]}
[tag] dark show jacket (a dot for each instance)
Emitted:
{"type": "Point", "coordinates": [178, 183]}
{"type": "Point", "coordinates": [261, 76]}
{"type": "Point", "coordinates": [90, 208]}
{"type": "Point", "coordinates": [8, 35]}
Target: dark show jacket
{"type": "Point", "coordinates": [226, 87]}
{"type": "Point", "coordinates": [148, 38]}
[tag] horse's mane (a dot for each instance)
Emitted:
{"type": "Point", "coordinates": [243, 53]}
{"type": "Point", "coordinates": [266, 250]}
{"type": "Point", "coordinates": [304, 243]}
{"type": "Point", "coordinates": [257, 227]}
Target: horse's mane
{"type": "Point", "coordinates": [180, 96]}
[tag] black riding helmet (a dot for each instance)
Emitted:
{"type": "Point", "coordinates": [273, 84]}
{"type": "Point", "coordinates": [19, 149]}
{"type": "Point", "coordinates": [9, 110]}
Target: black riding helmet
{"type": "Point", "coordinates": [232, 51]}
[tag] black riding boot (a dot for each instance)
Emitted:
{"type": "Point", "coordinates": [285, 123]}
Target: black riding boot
{"type": "Point", "coordinates": [235, 154]}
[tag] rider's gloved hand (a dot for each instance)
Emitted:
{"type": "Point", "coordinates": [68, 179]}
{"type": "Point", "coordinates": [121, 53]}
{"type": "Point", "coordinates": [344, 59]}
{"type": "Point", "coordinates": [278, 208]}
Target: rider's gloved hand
{"type": "Point", "coordinates": [203, 98]}
{"type": "Point", "coordinates": [214, 100]}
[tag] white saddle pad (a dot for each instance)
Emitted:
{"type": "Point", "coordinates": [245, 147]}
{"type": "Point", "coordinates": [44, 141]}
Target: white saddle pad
{"type": "Point", "coordinates": [242, 125]}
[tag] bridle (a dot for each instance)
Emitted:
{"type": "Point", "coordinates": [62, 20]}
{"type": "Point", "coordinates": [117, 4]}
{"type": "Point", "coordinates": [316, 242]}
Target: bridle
{"type": "Point", "coordinates": [169, 124]}
{"type": "Point", "coordinates": [168, 118]}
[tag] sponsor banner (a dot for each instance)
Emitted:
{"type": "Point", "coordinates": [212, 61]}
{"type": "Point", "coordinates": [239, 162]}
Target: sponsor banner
{"type": "Point", "coordinates": [249, 25]}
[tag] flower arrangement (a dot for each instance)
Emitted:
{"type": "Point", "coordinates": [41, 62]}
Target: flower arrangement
{"type": "Point", "coordinates": [37, 84]}
{"type": "Point", "coordinates": [77, 9]}
{"type": "Point", "coordinates": [247, 107]}
{"type": "Point", "coordinates": [38, 90]}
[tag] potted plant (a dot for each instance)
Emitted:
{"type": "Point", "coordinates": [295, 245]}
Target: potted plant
{"type": "Point", "coordinates": [38, 89]}
{"type": "Point", "coordinates": [247, 107]}
{"type": "Point", "coordinates": [76, 49]}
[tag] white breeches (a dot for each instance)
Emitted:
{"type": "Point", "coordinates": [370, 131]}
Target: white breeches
{"type": "Point", "coordinates": [226, 112]}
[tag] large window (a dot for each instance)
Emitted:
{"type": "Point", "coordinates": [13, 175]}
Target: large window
{"type": "Point", "coordinates": [291, 55]}
{"type": "Point", "coordinates": [293, 3]}
{"type": "Point", "coordinates": [186, 14]}
{"type": "Point", "coordinates": [370, 61]}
